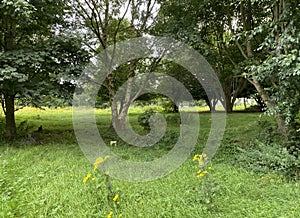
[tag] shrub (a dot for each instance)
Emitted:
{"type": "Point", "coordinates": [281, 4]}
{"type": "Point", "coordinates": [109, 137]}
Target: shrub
{"type": "Point", "coordinates": [272, 158]}
{"type": "Point", "coordinates": [143, 118]}
{"type": "Point", "coordinates": [173, 119]}
{"type": "Point", "coordinates": [269, 153]}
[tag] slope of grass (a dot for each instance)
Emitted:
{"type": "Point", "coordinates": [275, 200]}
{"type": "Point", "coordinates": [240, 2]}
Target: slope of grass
{"type": "Point", "coordinates": [45, 178]}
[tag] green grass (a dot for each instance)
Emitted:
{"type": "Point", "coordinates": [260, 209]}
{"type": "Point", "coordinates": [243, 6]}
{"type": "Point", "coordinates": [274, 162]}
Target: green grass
{"type": "Point", "coordinates": [44, 179]}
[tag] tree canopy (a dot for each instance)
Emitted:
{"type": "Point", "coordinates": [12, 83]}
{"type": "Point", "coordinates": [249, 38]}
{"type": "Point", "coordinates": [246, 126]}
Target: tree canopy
{"type": "Point", "coordinates": [37, 62]}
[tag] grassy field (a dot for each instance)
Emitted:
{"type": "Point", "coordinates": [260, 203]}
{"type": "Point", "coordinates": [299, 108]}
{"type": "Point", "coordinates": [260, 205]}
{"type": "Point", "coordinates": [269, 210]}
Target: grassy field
{"type": "Point", "coordinates": [43, 177]}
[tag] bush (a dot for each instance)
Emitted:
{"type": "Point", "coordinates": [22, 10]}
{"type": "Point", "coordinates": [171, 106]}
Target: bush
{"type": "Point", "coordinates": [143, 118]}
{"type": "Point", "coordinates": [173, 119]}
{"type": "Point", "coordinates": [269, 153]}
{"type": "Point", "coordinates": [255, 108]}
{"type": "Point", "coordinates": [168, 105]}
{"type": "Point", "coordinates": [272, 158]}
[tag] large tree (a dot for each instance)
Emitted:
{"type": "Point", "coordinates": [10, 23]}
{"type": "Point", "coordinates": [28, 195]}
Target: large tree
{"type": "Point", "coordinates": [204, 26]}
{"type": "Point", "coordinates": [257, 41]}
{"type": "Point", "coordinates": [267, 35]}
{"type": "Point", "coordinates": [106, 22]}
{"type": "Point", "coordinates": [36, 60]}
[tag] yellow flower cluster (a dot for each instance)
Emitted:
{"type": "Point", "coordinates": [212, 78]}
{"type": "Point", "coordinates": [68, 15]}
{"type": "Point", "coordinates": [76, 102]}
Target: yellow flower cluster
{"type": "Point", "coordinates": [88, 176]}
{"type": "Point", "coordinates": [201, 173]}
{"type": "Point", "coordinates": [98, 161]}
{"type": "Point", "coordinates": [110, 214]}
{"type": "Point", "coordinates": [201, 158]}
{"type": "Point", "coordinates": [115, 199]}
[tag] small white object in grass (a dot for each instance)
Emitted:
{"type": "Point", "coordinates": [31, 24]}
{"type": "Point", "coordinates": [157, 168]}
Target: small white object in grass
{"type": "Point", "coordinates": [113, 143]}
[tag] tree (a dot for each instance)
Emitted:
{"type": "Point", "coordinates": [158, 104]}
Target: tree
{"type": "Point", "coordinates": [204, 26]}
{"type": "Point", "coordinates": [34, 60]}
{"type": "Point", "coordinates": [271, 50]}
{"type": "Point", "coordinates": [110, 22]}
{"type": "Point", "coordinates": [245, 40]}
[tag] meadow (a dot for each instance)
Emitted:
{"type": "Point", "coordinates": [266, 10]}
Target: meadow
{"type": "Point", "coordinates": [47, 175]}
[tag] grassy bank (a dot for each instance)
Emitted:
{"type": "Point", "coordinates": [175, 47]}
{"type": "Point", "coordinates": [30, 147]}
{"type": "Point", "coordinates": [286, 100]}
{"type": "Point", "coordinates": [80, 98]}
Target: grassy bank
{"type": "Point", "coordinates": [44, 177]}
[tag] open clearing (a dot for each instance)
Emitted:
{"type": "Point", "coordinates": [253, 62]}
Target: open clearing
{"type": "Point", "coordinates": [45, 178]}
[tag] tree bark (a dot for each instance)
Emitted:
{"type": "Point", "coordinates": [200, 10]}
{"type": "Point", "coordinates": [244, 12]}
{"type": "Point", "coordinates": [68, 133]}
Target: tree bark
{"type": "Point", "coordinates": [247, 20]}
{"type": "Point", "coordinates": [11, 130]}
{"type": "Point", "coordinates": [9, 26]}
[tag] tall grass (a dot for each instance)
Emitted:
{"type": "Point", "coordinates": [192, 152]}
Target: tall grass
{"type": "Point", "coordinates": [45, 178]}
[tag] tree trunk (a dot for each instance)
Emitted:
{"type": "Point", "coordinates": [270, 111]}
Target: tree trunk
{"type": "Point", "coordinates": [119, 116]}
{"type": "Point", "coordinates": [175, 108]}
{"type": "Point", "coordinates": [265, 97]}
{"type": "Point", "coordinates": [11, 130]}
{"type": "Point", "coordinates": [247, 20]}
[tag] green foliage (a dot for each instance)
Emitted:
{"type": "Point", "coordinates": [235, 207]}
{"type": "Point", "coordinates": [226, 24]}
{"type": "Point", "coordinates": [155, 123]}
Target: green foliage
{"type": "Point", "coordinates": [144, 118]}
{"type": "Point", "coordinates": [167, 105]}
{"type": "Point", "coordinates": [270, 158]}
{"type": "Point", "coordinates": [269, 153]}
{"type": "Point", "coordinates": [173, 119]}
{"type": "Point", "coordinates": [39, 61]}
{"type": "Point", "coordinates": [254, 108]}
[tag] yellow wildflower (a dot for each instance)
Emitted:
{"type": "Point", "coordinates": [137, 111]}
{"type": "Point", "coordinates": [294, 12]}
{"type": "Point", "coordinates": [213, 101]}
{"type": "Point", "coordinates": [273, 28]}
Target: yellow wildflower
{"type": "Point", "coordinates": [196, 157]}
{"type": "Point", "coordinates": [106, 173]}
{"type": "Point", "coordinates": [99, 160]}
{"type": "Point", "coordinates": [201, 174]}
{"type": "Point", "coordinates": [201, 163]}
{"type": "Point", "coordinates": [87, 178]}
{"type": "Point", "coordinates": [110, 214]}
{"type": "Point", "coordinates": [116, 197]}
